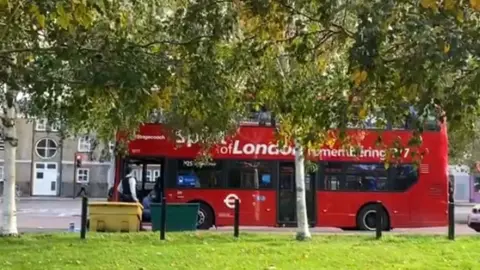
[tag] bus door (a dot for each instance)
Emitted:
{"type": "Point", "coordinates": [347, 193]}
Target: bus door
{"type": "Point", "coordinates": [146, 171]}
{"type": "Point", "coordinates": [286, 195]}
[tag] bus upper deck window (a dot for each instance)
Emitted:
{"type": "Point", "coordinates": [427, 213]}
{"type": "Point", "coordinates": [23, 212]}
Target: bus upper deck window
{"type": "Point", "coordinates": [432, 123]}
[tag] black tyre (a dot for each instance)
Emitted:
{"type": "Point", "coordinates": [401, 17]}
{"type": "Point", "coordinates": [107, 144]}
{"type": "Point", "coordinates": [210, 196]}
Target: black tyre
{"type": "Point", "coordinates": [366, 219]}
{"type": "Point", "coordinates": [477, 230]}
{"type": "Point", "coordinates": [204, 217]}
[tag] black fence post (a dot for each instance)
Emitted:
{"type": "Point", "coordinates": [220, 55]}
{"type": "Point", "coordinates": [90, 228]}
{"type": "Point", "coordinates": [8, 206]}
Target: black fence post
{"type": "Point", "coordinates": [451, 210]}
{"type": "Point", "coordinates": [83, 228]}
{"type": "Point", "coordinates": [378, 221]}
{"type": "Point", "coordinates": [163, 218]}
{"type": "Point", "coordinates": [236, 221]}
{"type": "Point", "coordinates": [451, 220]}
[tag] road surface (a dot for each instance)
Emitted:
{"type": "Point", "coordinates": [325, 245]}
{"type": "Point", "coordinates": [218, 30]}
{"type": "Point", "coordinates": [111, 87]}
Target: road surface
{"type": "Point", "coordinates": [55, 214]}
{"type": "Point", "coordinates": [46, 214]}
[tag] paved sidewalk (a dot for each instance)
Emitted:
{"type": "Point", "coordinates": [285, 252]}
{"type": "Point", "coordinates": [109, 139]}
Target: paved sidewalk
{"type": "Point", "coordinates": [466, 204]}
{"type": "Point", "coordinates": [53, 199]}
{"type": "Point", "coordinates": [55, 214]}
{"type": "Point", "coordinates": [58, 199]}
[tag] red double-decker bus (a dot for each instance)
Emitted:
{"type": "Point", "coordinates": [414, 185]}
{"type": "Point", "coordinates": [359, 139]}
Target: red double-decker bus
{"type": "Point", "coordinates": [340, 193]}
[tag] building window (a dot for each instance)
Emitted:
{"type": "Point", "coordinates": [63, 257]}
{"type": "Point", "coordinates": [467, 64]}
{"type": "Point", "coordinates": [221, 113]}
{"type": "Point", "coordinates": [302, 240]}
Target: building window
{"type": "Point", "coordinates": [2, 144]}
{"type": "Point", "coordinates": [194, 175]}
{"type": "Point", "coordinates": [250, 175]}
{"type": "Point", "coordinates": [2, 174]}
{"type": "Point", "coordinates": [83, 175]}
{"type": "Point", "coordinates": [85, 144]}
{"type": "Point", "coordinates": [55, 127]}
{"type": "Point", "coordinates": [41, 125]}
{"type": "Point", "coordinates": [46, 148]}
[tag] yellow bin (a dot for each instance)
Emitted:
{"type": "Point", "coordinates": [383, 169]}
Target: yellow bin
{"type": "Point", "coordinates": [115, 216]}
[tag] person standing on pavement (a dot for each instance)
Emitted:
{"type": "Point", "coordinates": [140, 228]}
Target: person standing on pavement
{"type": "Point", "coordinates": [128, 187]}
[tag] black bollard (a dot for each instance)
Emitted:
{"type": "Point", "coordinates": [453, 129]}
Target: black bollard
{"type": "Point", "coordinates": [163, 218]}
{"type": "Point", "coordinates": [451, 209]}
{"type": "Point", "coordinates": [83, 228]}
{"type": "Point", "coordinates": [236, 221]}
{"type": "Point", "coordinates": [378, 221]}
{"type": "Point", "coordinates": [451, 220]}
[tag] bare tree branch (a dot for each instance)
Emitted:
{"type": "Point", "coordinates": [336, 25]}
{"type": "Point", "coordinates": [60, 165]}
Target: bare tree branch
{"type": "Point", "coordinates": [12, 15]}
{"type": "Point", "coordinates": [54, 49]}
{"type": "Point", "coordinates": [311, 18]}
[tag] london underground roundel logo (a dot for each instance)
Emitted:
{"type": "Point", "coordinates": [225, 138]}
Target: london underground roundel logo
{"type": "Point", "coordinates": [230, 200]}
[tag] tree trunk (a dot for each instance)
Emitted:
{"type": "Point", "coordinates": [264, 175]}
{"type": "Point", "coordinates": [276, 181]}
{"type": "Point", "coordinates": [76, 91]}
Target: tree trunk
{"type": "Point", "coordinates": [303, 231]}
{"type": "Point", "coordinates": [111, 173]}
{"type": "Point", "coordinates": [111, 169]}
{"type": "Point", "coordinates": [9, 225]}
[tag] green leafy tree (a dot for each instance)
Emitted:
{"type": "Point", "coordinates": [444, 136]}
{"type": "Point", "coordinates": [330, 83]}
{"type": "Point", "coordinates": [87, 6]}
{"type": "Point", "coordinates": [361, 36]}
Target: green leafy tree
{"type": "Point", "coordinates": [105, 65]}
{"type": "Point", "coordinates": [330, 64]}
{"type": "Point", "coordinates": [62, 60]}
{"type": "Point", "coordinates": [464, 146]}
{"type": "Point", "coordinates": [100, 66]}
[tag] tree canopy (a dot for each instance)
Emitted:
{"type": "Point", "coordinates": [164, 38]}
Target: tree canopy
{"type": "Point", "coordinates": [464, 146]}
{"type": "Point", "coordinates": [106, 65]}
{"type": "Point", "coordinates": [347, 60]}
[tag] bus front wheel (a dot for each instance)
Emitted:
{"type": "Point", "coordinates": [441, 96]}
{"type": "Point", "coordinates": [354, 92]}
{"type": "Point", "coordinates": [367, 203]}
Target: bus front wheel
{"type": "Point", "coordinates": [204, 217]}
{"type": "Point", "coordinates": [366, 218]}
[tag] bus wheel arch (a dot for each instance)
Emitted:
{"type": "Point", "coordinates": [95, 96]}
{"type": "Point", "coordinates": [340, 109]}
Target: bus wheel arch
{"type": "Point", "coordinates": [205, 213]}
{"type": "Point", "coordinates": [365, 212]}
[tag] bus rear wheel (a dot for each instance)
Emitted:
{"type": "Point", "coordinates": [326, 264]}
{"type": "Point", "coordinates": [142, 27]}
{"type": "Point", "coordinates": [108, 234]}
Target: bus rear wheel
{"type": "Point", "coordinates": [366, 219]}
{"type": "Point", "coordinates": [204, 217]}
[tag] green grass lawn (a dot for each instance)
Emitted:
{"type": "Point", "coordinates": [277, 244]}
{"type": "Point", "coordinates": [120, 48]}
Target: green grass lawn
{"type": "Point", "coordinates": [220, 251]}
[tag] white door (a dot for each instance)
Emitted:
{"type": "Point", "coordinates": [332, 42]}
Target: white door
{"type": "Point", "coordinates": [45, 179]}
